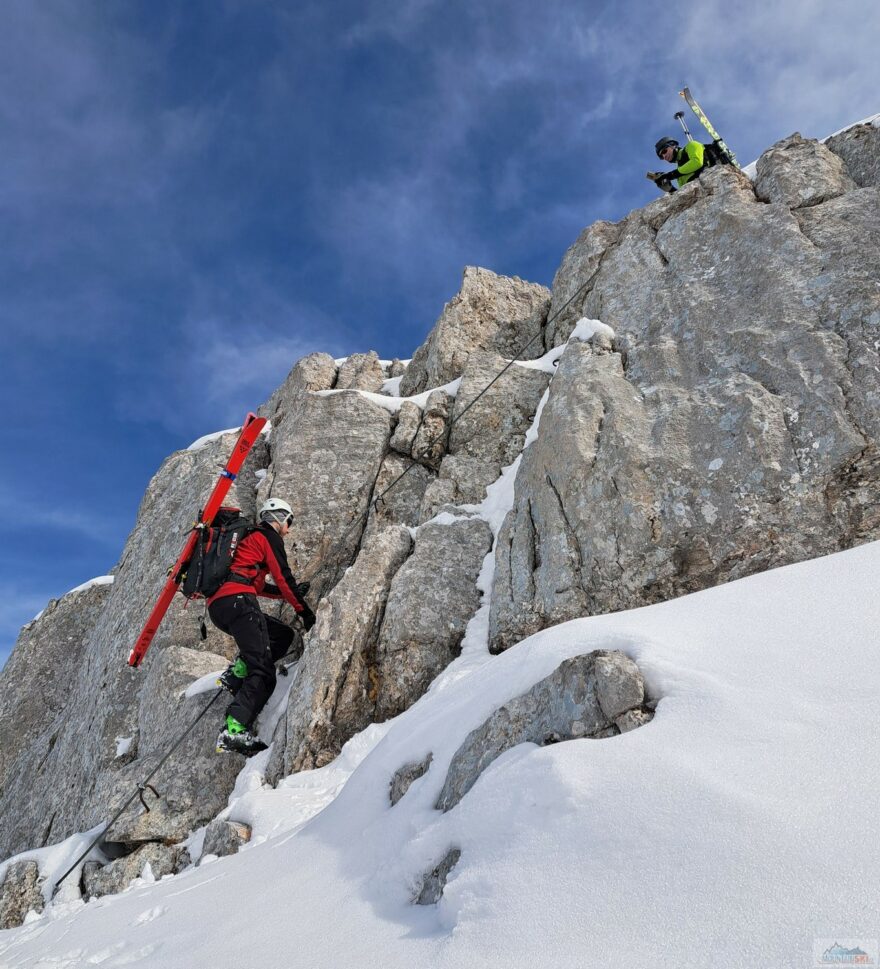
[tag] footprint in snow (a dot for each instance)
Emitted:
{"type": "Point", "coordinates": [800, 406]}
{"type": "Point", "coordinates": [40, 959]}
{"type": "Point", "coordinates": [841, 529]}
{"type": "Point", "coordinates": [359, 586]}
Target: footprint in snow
{"type": "Point", "coordinates": [150, 915]}
{"type": "Point", "coordinates": [102, 955]}
{"type": "Point", "coordinates": [134, 956]}
{"type": "Point", "coordinates": [69, 960]}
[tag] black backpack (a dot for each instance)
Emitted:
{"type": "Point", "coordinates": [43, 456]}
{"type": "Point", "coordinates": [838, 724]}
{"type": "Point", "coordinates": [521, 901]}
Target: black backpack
{"type": "Point", "coordinates": [211, 561]}
{"type": "Point", "coordinates": [714, 154]}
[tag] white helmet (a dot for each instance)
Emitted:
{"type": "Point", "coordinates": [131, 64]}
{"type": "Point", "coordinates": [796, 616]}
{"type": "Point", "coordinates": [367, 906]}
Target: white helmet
{"type": "Point", "coordinates": [275, 510]}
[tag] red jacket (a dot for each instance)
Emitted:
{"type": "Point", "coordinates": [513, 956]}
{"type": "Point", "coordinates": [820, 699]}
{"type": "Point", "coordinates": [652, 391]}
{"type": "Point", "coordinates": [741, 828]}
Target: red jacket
{"type": "Point", "coordinates": [258, 556]}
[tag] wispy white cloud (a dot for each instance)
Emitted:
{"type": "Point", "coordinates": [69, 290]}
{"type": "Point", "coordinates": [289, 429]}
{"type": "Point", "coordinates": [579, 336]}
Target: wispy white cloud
{"type": "Point", "coordinates": [64, 516]}
{"type": "Point", "coordinates": [236, 343]}
{"type": "Point", "coordinates": [395, 19]}
{"type": "Point", "coordinates": [416, 222]}
{"type": "Point", "coordinates": [88, 165]}
{"type": "Point", "coordinates": [182, 222]}
{"type": "Point", "coordinates": [792, 64]}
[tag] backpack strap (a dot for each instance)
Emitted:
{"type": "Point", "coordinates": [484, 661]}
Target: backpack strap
{"type": "Point", "coordinates": [240, 579]}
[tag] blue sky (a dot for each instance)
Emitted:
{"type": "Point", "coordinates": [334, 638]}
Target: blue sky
{"type": "Point", "coordinates": [194, 195]}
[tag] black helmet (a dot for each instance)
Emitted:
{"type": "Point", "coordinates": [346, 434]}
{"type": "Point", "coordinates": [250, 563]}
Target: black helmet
{"type": "Point", "coordinates": [663, 144]}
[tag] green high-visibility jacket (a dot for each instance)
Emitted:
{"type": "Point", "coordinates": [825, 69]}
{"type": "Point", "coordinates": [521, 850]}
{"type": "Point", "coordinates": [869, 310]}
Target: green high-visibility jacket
{"type": "Point", "coordinates": [689, 161]}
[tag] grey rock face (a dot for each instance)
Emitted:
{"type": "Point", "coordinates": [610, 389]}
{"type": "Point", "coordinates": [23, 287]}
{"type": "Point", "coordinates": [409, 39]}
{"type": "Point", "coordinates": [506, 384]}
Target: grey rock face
{"type": "Point", "coordinates": [195, 782]}
{"type": "Point", "coordinates": [47, 649]}
{"type": "Point", "coordinates": [334, 695]}
{"type": "Point", "coordinates": [632, 719]}
{"type": "Point", "coordinates": [731, 426]}
{"type": "Point", "coordinates": [400, 506]}
{"type": "Point", "coordinates": [435, 880]}
{"type": "Point", "coordinates": [489, 312]}
{"type": "Point", "coordinates": [404, 778]}
{"type": "Point", "coordinates": [846, 234]}
{"type": "Point", "coordinates": [225, 838]}
{"type": "Point", "coordinates": [579, 270]}
{"type": "Point", "coordinates": [422, 434]}
{"type": "Point", "coordinates": [361, 371]}
{"type": "Point", "coordinates": [315, 372]}
{"type": "Point", "coordinates": [429, 443]}
{"type": "Point", "coordinates": [538, 557]}
{"type": "Point", "coordinates": [65, 775]}
{"type": "Point", "coordinates": [486, 435]}
{"type": "Point", "coordinates": [619, 685]}
{"type": "Point", "coordinates": [327, 452]}
{"type": "Point", "coordinates": [499, 419]}
{"type": "Point", "coordinates": [581, 698]}
{"type": "Point", "coordinates": [20, 893]}
{"type": "Point", "coordinates": [118, 875]}
{"type": "Point", "coordinates": [859, 147]}
{"type": "Point", "coordinates": [409, 419]}
{"type": "Point", "coordinates": [432, 598]}
{"type": "Point", "coordinates": [735, 428]}
{"type": "Point", "coordinates": [798, 171]}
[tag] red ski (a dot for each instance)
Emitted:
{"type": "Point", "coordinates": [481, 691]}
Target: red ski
{"type": "Point", "coordinates": [250, 431]}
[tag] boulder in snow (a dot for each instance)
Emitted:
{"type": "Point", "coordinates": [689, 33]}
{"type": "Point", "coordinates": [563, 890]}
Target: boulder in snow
{"type": "Point", "coordinates": [581, 698]}
{"type": "Point", "coordinates": [225, 837]}
{"type": "Point", "coordinates": [404, 777]}
{"type": "Point", "coordinates": [115, 877]}
{"type": "Point", "coordinates": [434, 881]}
{"type": "Point", "coordinates": [20, 893]}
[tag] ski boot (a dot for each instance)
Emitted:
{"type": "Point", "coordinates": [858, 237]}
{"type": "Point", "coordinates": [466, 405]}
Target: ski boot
{"type": "Point", "coordinates": [235, 738]}
{"type": "Point", "coordinates": [233, 676]}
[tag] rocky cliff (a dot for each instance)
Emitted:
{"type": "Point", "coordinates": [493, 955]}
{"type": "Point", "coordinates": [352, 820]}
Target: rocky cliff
{"type": "Point", "coordinates": [726, 423]}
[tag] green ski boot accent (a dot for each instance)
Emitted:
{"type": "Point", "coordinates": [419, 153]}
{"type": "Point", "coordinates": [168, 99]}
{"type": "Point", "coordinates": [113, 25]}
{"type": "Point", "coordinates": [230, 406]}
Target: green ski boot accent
{"type": "Point", "coordinates": [233, 676]}
{"type": "Point", "coordinates": [237, 739]}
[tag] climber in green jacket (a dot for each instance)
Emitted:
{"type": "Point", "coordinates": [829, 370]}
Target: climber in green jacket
{"type": "Point", "coordinates": [689, 162]}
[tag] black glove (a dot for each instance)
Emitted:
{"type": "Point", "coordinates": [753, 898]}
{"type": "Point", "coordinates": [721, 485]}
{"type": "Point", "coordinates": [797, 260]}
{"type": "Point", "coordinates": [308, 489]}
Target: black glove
{"type": "Point", "coordinates": [307, 617]}
{"type": "Point", "coordinates": [303, 588]}
{"type": "Point", "coordinates": [663, 180]}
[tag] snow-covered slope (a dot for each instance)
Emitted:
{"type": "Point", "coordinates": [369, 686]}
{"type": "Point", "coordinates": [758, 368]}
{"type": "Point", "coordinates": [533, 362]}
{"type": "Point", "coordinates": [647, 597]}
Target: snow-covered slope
{"type": "Point", "coordinates": [738, 828]}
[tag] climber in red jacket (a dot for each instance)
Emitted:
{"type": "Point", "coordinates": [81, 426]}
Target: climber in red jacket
{"type": "Point", "coordinates": [261, 640]}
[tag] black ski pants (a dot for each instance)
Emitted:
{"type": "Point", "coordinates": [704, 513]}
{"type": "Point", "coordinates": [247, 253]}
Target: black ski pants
{"type": "Point", "coordinates": [261, 640]}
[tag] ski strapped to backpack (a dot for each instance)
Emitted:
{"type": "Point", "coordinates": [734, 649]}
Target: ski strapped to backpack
{"type": "Point", "coordinates": [714, 153]}
{"type": "Point", "coordinates": [250, 431]}
{"type": "Point", "coordinates": [727, 157]}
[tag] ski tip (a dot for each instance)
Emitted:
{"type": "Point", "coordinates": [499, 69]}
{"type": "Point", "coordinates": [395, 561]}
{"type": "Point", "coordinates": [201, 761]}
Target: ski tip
{"type": "Point", "coordinates": [252, 420]}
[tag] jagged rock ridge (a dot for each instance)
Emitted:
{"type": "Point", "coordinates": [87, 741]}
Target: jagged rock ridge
{"type": "Point", "coordinates": [730, 426]}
